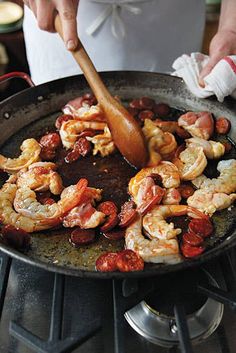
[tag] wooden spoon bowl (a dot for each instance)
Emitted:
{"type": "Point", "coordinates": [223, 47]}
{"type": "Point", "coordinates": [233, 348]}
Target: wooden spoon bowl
{"type": "Point", "coordinates": [126, 133]}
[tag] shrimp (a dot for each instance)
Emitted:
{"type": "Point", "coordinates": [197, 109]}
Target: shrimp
{"type": "Point", "coordinates": [155, 225]}
{"type": "Point", "coordinates": [209, 203]}
{"type": "Point", "coordinates": [167, 170]}
{"type": "Point", "coordinates": [191, 163]}
{"type": "Point", "coordinates": [155, 138]}
{"type": "Point", "coordinates": [30, 153]}
{"type": "Point", "coordinates": [151, 130]}
{"type": "Point", "coordinates": [92, 195]}
{"type": "Point", "coordinates": [85, 216]}
{"type": "Point", "coordinates": [103, 143]}
{"type": "Point", "coordinates": [9, 216]}
{"type": "Point", "coordinates": [78, 109]}
{"type": "Point", "coordinates": [212, 149]}
{"type": "Point", "coordinates": [26, 203]}
{"type": "Point", "coordinates": [171, 126]}
{"type": "Point", "coordinates": [225, 183]}
{"type": "Point", "coordinates": [147, 191]}
{"type": "Point", "coordinates": [74, 105]}
{"type": "Point", "coordinates": [41, 177]}
{"type": "Point", "coordinates": [167, 126]}
{"type": "Point", "coordinates": [160, 143]}
{"type": "Point", "coordinates": [89, 113]}
{"type": "Point", "coordinates": [70, 130]}
{"type": "Point", "coordinates": [198, 124]}
{"type": "Point", "coordinates": [171, 197]}
{"type": "Point", "coordinates": [154, 156]}
{"type": "Point", "coordinates": [154, 250]}
{"type": "Point", "coordinates": [169, 146]}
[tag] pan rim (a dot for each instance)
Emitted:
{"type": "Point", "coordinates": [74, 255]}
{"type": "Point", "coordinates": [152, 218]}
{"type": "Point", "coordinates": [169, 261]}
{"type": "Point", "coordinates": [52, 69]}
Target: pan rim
{"type": "Point", "coordinates": [163, 269]}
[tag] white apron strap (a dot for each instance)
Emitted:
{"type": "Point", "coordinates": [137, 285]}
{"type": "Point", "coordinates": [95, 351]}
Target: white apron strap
{"type": "Point", "coordinates": [113, 9]}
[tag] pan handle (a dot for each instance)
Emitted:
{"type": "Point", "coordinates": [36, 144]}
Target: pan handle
{"type": "Point", "coordinates": [17, 74]}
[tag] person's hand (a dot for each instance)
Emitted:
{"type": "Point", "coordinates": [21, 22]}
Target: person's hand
{"type": "Point", "coordinates": [45, 11]}
{"type": "Point", "coordinates": [222, 44]}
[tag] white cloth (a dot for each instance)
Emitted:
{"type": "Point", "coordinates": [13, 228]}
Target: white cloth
{"type": "Point", "coordinates": [221, 81]}
{"type": "Point", "coordinates": [151, 35]}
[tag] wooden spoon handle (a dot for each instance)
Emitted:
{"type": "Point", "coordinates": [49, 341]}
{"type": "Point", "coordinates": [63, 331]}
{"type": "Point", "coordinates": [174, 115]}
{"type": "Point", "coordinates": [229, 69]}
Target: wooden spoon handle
{"type": "Point", "coordinates": [126, 133]}
{"type": "Point", "coordinates": [86, 65]}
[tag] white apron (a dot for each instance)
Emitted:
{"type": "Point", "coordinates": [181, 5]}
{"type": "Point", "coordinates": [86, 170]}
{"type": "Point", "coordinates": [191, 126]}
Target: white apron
{"type": "Point", "coordinates": [146, 35]}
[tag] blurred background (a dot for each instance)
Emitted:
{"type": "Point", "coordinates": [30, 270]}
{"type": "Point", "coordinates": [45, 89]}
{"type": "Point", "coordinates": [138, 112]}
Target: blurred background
{"type": "Point", "coordinates": [12, 47]}
{"type": "Point", "coordinates": [12, 52]}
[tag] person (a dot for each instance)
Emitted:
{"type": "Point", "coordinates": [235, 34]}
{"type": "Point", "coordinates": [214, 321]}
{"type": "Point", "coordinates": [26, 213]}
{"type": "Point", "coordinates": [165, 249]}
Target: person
{"type": "Point", "coordinates": [224, 41]}
{"type": "Point", "coordinates": [146, 35]}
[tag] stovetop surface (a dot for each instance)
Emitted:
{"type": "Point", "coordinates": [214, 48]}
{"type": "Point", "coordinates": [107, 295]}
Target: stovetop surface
{"type": "Point", "coordinates": [28, 302]}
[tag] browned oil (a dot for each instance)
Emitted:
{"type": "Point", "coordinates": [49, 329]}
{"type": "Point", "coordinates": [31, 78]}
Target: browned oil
{"type": "Point", "coordinates": [112, 175]}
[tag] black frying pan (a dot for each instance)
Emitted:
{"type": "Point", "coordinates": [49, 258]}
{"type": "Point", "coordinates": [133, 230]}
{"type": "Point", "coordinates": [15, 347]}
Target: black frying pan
{"type": "Point", "coordinates": [33, 112]}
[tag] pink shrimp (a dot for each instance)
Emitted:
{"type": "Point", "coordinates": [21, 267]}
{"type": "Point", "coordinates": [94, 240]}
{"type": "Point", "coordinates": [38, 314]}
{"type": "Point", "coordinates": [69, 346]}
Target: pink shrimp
{"type": "Point", "coordinates": [199, 124]}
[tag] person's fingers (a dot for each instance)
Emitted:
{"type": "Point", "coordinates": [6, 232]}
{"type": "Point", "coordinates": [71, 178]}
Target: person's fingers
{"type": "Point", "coordinates": [26, 2]}
{"type": "Point", "coordinates": [67, 12]}
{"type": "Point", "coordinates": [45, 15]}
{"type": "Point", "coordinates": [222, 44]}
{"type": "Point", "coordinates": [207, 69]}
{"type": "Point", "coordinates": [32, 5]}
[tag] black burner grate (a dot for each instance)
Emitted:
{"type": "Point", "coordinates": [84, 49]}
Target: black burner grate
{"type": "Point", "coordinates": [55, 343]}
{"type": "Point", "coordinates": [224, 296]}
{"type": "Point", "coordinates": [125, 295]}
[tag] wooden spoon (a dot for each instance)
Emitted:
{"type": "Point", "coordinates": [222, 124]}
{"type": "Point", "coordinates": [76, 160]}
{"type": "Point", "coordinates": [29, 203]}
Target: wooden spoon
{"type": "Point", "coordinates": [126, 133]}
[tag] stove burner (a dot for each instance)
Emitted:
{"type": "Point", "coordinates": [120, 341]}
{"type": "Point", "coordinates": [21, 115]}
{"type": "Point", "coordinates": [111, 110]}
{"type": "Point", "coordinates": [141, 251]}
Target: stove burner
{"type": "Point", "coordinates": [154, 317]}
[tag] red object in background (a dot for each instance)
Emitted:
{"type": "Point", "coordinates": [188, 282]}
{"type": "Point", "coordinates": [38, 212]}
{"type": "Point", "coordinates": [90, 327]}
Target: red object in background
{"type": "Point", "coordinates": [15, 47]}
{"type": "Point", "coordinates": [17, 74]}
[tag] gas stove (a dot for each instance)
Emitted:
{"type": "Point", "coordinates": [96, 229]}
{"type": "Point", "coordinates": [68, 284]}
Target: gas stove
{"type": "Point", "coordinates": [189, 311]}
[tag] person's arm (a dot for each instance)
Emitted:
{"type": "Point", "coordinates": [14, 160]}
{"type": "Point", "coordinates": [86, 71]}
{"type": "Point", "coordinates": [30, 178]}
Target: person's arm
{"type": "Point", "coordinates": [45, 11]}
{"type": "Point", "coordinates": [224, 42]}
